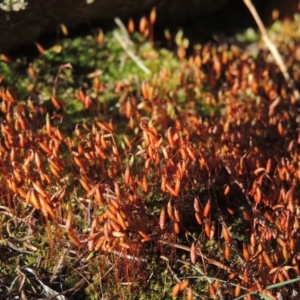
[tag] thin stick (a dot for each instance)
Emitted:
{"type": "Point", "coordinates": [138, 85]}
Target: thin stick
{"type": "Point", "coordinates": [136, 59]}
{"type": "Point", "coordinates": [209, 260]}
{"type": "Point", "coordinates": [124, 31]}
{"type": "Point", "coordinates": [272, 48]}
{"type": "Point", "coordinates": [129, 257]}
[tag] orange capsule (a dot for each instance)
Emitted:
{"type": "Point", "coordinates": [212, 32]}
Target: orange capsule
{"type": "Point", "coordinates": [45, 147]}
{"type": "Point", "coordinates": [285, 253]}
{"type": "Point", "coordinates": [117, 189]}
{"type": "Point", "coordinates": [121, 221]}
{"type": "Point", "coordinates": [216, 284]}
{"type": "Point", "coordinates": [227, 251]}
{"type": "Point", "coordinates": [183, 154]}
{"type": "Point", "coordinates": [253, 239]}
{"type": "Point", "coordinates": [131, 26]}
{"type": "Point", "coordinates": [197, 61]}
{"type": "Point", "coordinates": [56, 102]}
{"type": "Point", "coordinates": [164, 151]}
{"type": "Point", "coordinates": [177, 215]}
{"type": "Point", "coordinates": [54, 171]}
{"type": "Point", "coordinates": [145, 184]}
{"type": "Point", "coordinates": [146, 240]}
{"type": "Point", "coordinates": [84, 184]}
{"type": "Point", "coordinates": [170, 137]}
{"type": "Point", "coordinates": [163, 183]}
{"type": "Point", "coordinates": [237, 290]}
{"type": "Point", "coordinates": [55, 164]}
{"type": "Point", "coordinates": [177, 185]}
{"type": "Point", "coordinates": [190, 293]}
{"type": "Point", "coordinates": [112, 216]}
{"type": "Point", "coordinates": [38, 188]}
{"type": "Point", "coordinates": [207, 227]}
{"type": "Point", "coordinates": [48, 125]}
{"type": "Point", "coordinates": [227, 189]}
{"type": "Point", "coordinates": [267, 260]}
{"type": "Point", "coordinates": [104, 126]}
{"type": "Point", "coordinates": [100, 36]}
{"type": "Point", "coordinates": [126, 174]}
{"type": "Point", "coordinates": [118, 234]}
{"type": "Point", "coordinates": [143, 25]}
{"type": "Point", "coordinates": [176, 290]}
{"type": "Point", "coordinates": [296, 224]}
{"type": "Point", "coordinates": [280, 277]}
{"type": "Point", "coordinates": [115, 226]}
{"type": "Point", "coordinates": [207, 208]}
{"type": "Point", "coordinates": [64, 29]}
{"type": "Point", "coordinates": [285, 273]}
{"type": "Point", "coordinates": [145, 90]}
{"type": "Point", "coordinates": [190, 153]}
{"type": "Point", "coordinates": [34, 199]}
{"type": "Point", "coordinates": [99, 152]}
{"type": "Point", "coordinates": [162, 219]}
{"type": "Point", "coordinates": [106, 231]}
{"type": "Point", "coordinates": [22, 123]}
{"type": "Point", "coordinates": [124, 245]}
{"type": "Point", "coordinates": [73, 238]}
{"type": "Point", "coordinates": [246, 215]}
{"type": "Point", "coordinates": [150, 152]}
{"type": "Point", "coordinates": [171, 190]}
{"type": "Point", "coordinates": [46, 208]}
{"type": "Point", "coordinates": [170, 210]}
{"type": "Point", "coordinates": [40, 48]}
{"type": "Point", "coordinates": [258, 195]}
{"type": "Point", "coordinates": [23, 194]}
{"type": "Point", "coordinates": [69, 221]}
{"type": "Point", "coordinates": [144, 236]}
{"type": "Point", "coordinates": [147, 163]}
{"type": "Point", "coordinates": [226, 234]}
{"type": "Point", "coordinates": [212, 231]}
{"type": "Point", "coordinates": [152, 16]}
{"type": "Point", "coordinates": [184, 284]}
{"type": "Point", "coordinates": [21, 141]}
{"type": "Point", "coordinates": [231, 211]}
{"type": "Point", "coordinates": [176, 227]}
{"type": "Point", "coordinates": [246, 252]}
{"type": "Point", "coordinates": [268, 166]}
{"type": "Point", "coordinates": [27, 197]}
{"type": "Point", "coordinates": [100, 243]}
{"type": "Point", "coordinates": [280, 128]}
{"type": "Point", "coordinates": [292, 245]}
{"type": "Point", "coordinates": [193, 253]}
{"type": "Point", "coordinates": [198, 218]}
{"type": "Point", "coordinates": [12, 185]}
{"type": "Point", "coordinates": [98, 197]}
{"type": "Point", "coordinates": [196, 205]}
{"type": "Point", "coordinates": [181, 52]}
{"type": "Point", "coordinates": [80, 95]}
{"type": "Point", "coordinates": [212, 290]}
{"type": "Point", "coordinates": [167, 34]}
{"type": "Point", "coordinates": [6, 59]}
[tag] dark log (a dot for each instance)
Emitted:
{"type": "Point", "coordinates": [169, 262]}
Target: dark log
{"type": "Point", "coordinates": [44, 16]}
{"type": "Point", "coordinates": [41, 17]}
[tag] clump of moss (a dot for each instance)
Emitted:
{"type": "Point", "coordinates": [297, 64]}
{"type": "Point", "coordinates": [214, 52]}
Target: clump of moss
{"type": "Point", "coordinates": [132, 166]}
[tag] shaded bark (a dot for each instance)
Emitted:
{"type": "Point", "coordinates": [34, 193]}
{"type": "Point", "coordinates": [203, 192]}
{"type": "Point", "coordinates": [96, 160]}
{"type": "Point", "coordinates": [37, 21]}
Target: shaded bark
{"type": "Point", "coordinates": [40, 17]}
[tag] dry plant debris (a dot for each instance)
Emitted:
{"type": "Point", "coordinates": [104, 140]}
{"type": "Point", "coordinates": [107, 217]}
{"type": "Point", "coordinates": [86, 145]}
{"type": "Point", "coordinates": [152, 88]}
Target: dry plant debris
{"type": "Point", "coordinates": [194, 169]}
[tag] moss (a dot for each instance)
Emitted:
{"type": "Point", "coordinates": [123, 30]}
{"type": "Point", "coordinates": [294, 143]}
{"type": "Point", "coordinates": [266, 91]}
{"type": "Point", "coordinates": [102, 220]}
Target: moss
{"type": "Point", "coordinates": [116, 145]}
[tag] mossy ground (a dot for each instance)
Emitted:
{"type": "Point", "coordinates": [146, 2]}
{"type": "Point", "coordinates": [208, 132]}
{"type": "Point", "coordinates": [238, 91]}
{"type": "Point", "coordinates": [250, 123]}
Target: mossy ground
{"type": "Point", "coordinates": [212, 105]}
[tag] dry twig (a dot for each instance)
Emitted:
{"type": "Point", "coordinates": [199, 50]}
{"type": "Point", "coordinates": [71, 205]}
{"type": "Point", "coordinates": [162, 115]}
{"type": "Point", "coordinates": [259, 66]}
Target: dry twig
{"type": "Point", "coordinates": [272, 48]}
{"type": "Point", "coordinates": [136, 59]}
